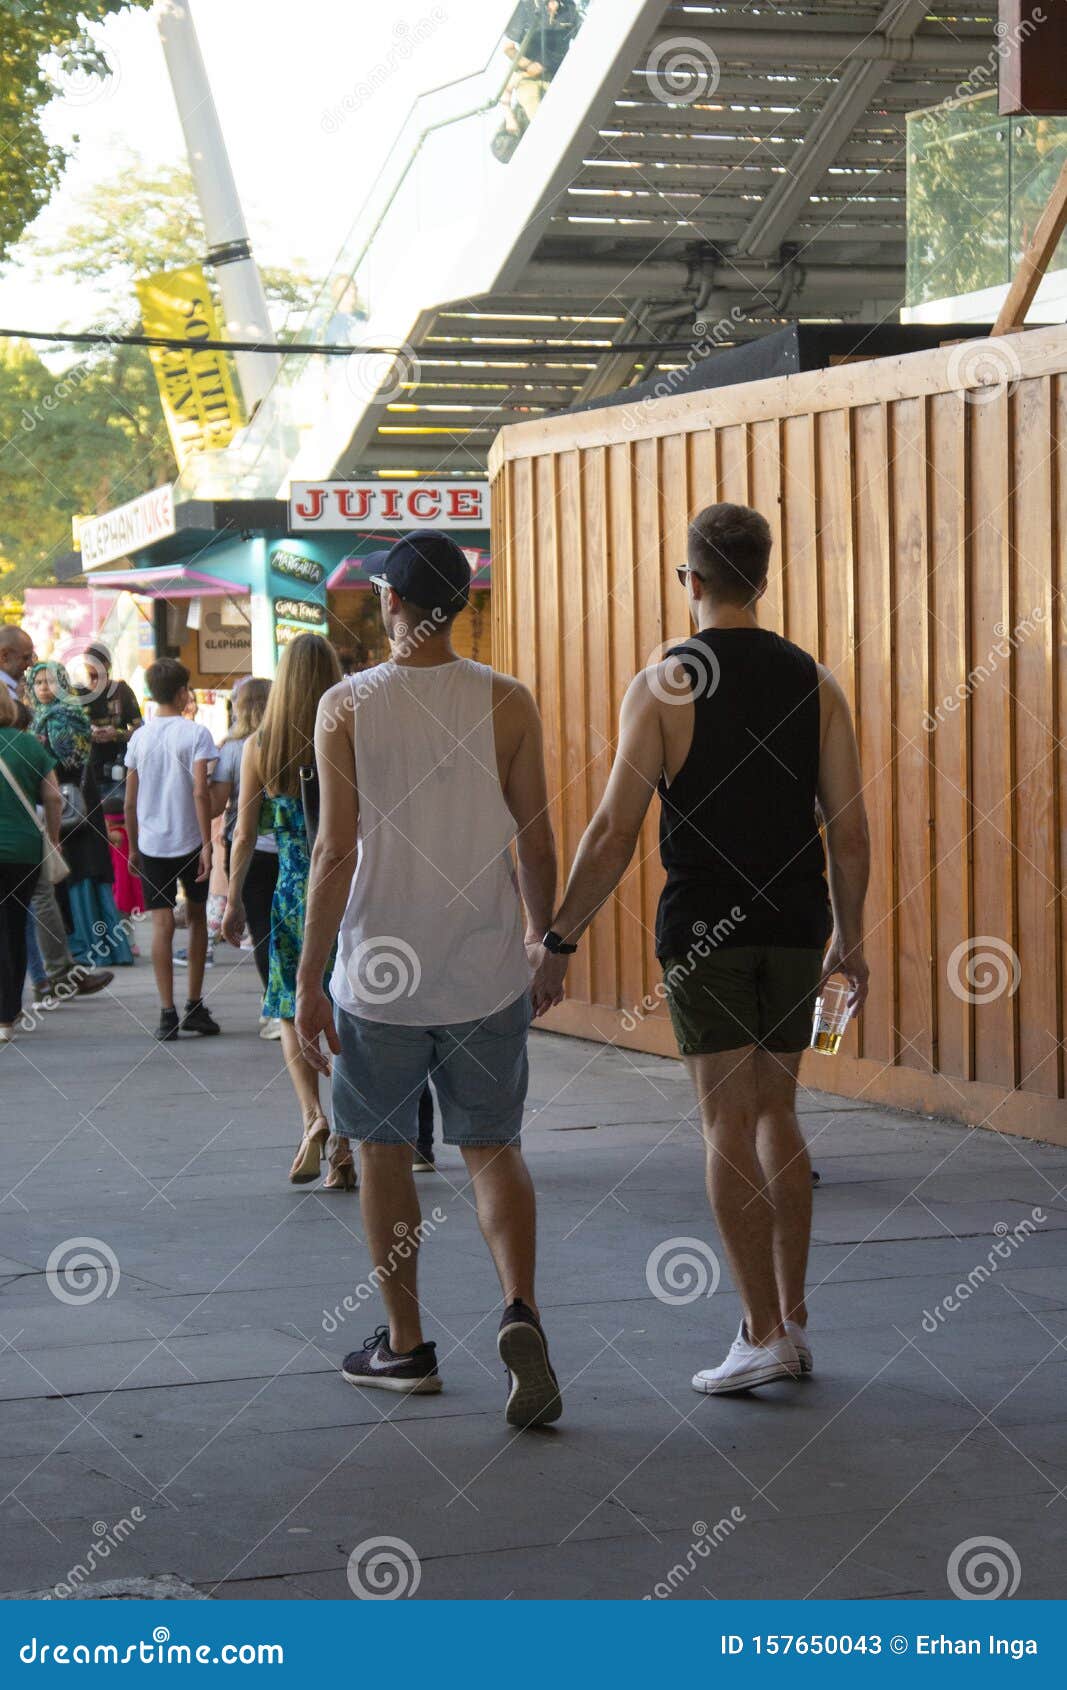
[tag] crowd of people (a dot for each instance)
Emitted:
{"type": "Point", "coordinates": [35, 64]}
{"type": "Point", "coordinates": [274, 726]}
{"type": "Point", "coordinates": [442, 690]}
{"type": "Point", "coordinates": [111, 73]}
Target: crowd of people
{"type": "Point", "coordinates": [368, 819]}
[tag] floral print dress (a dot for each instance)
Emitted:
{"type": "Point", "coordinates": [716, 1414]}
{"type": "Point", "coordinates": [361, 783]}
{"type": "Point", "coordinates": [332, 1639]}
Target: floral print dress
{"type": "Point", "coordinates": [285, 817]}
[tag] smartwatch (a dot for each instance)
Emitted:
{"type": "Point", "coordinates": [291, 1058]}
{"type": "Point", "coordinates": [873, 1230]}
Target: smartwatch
{"type": "Point", "coordinates": [558, 947]}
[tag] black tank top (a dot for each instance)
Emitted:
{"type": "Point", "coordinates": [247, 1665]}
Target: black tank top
{"type": "Point", "coordinates": [738, 834]}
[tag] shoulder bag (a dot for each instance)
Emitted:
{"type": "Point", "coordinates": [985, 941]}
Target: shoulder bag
{"type": "Point", "coordinates": [54, 866]}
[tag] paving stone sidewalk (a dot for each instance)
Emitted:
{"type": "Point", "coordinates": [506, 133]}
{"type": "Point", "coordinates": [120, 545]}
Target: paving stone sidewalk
{"type": "Point", "coordinates": [176, 1409]}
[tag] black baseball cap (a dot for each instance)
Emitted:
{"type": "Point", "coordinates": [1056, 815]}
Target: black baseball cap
{"type": "Point", "coordinates": [426, 568]}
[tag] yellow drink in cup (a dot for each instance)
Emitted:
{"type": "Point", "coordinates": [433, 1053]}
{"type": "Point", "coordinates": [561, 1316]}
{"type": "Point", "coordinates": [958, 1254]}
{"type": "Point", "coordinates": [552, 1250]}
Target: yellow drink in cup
{"type": "Point", "coordinates": [831, 1018]}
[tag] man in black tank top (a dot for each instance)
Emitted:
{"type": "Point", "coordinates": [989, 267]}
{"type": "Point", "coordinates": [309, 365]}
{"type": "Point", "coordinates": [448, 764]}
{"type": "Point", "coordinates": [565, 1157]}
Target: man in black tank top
{"type": "Point", "coordinates": [749, 743]}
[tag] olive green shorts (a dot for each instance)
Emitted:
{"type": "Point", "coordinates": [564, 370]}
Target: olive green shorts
{"type": "Point", "coordinates": [741, 995]}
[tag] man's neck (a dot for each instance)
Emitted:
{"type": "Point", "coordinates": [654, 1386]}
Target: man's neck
{"type": "Point", "coordinates": [725, 616]}
{"type": "Point", "coordinates": [424, 654]}
{"type": "Point", "coordinates": [167, 710]}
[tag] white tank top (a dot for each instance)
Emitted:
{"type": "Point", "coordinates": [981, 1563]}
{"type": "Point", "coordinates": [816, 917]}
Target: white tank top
{"type": "Point", "coordinates": [433, 930]}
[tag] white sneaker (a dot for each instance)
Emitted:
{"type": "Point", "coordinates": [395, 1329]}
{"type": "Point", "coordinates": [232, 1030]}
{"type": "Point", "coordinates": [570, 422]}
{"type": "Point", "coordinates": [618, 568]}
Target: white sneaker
{"type": "Point", "coordinates": [748, 1365]}
{"type": "Point", "coordinates": [800, 1344]}
{"type": "Point", "coordinates": [270, 1027]}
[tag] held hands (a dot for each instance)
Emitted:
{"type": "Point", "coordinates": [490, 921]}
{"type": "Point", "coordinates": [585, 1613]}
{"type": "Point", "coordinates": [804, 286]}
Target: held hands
{"type": "Point", "coordinates": [314, 1016]}
{"type": "Point", "coordinates": [550, 972]}
{"type": "Point", "coordinates": [851, 962]}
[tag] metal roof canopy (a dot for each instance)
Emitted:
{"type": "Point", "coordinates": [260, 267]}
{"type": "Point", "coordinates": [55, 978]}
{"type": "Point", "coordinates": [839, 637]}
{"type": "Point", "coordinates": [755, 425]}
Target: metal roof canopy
{"type": "Point", "coordinates": [776, 195]}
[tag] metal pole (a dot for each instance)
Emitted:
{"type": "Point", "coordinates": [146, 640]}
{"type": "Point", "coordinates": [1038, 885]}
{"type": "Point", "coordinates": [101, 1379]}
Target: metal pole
{"type": "Point", "coordinates": [229, 252]}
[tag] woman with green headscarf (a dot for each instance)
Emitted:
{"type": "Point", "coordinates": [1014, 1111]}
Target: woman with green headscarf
{"type": "Point", "coordinates": [98, 935]}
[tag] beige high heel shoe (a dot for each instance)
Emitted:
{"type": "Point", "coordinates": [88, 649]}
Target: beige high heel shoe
{"type": "Point", "coordinates": [308, 1161]}
{"type": "Point", "coordinates": [342, 1174]}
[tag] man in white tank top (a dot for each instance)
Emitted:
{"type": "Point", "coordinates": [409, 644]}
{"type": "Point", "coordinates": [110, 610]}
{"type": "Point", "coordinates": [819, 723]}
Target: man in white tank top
{"type": "Point", "coordinates": [430, 767]}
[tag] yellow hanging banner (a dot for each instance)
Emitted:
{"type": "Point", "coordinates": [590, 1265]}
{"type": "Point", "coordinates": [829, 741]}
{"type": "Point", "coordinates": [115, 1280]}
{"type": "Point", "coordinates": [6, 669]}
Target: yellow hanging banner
{"type": "Point", "coordinates": [200, 398]}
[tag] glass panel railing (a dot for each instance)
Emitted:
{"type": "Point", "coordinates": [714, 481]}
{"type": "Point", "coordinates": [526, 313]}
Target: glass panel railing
{"type": "Point", "coordinates": [977, 182]}
{"type": "Point", "coordinates": [430, 196]}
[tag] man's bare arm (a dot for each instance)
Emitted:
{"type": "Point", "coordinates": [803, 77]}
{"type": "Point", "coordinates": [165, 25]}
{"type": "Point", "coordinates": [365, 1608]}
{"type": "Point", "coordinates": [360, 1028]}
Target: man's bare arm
{"type": "Point", "coordinates": [526, 795]}
{"type": "Point", "coordinates": [844, 817]}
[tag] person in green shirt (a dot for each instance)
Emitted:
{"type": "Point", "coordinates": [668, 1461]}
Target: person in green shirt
{"type": "Point", "coordinates": [26, 780]}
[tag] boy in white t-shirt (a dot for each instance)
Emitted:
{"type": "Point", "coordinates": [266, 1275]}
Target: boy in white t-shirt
{"type": "Point", "coordinates": [168, 819]}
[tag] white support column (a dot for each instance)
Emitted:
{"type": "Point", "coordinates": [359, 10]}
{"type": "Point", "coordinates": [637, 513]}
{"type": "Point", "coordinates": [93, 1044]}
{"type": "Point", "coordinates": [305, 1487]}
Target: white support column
{"type": "Point", "coordinates": [229, 253]}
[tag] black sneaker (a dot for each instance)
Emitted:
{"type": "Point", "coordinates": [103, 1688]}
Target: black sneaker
{"type": "Point", "coordinates": [168, 1025]}
{"type": "Point", "coordinates": [198, 1018]}
{"type": "Point", "coordinates": [422, 1162]}
{"type": "Point", "coordinates": [378, 1366]}
{"type": "Point", "coordinates": [534, 1398]}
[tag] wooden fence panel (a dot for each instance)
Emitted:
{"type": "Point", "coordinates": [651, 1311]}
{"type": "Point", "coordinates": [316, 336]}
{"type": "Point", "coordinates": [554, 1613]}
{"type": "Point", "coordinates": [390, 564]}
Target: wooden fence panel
{"type": "Point", "coordinates": [920, 550]}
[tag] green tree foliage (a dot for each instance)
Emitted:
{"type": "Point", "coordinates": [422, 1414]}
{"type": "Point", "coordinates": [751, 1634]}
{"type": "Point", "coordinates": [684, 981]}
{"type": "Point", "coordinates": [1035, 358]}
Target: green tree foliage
{"type": "Point", "coordinates": [45, 48]}
{"type": "Point", "coordinates": [90, 435]}
{"type": "Point", "coordinates": [74, 442]}
{"type": "Point", "coordinates": [135, 223]}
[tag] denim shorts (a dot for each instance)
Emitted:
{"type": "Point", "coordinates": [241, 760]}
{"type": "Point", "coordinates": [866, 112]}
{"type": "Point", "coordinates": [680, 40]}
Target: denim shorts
{"type": "Point", "coordinates": [479, 1070]}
